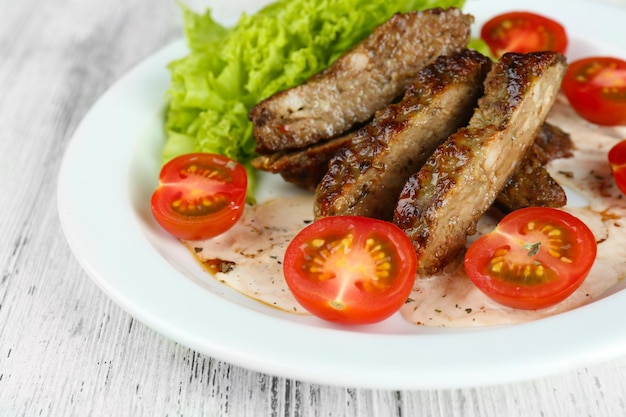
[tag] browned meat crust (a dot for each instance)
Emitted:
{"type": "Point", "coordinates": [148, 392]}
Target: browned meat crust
{"type": "Point", "coordinates": [306, 167]}
{"type": "Point", "coordinates": [531, 184]}
{"type": "Point", "coordinates": [441, 204]}
{"type": "Point", "coordinates": [552, 143]}
{"type": "Point", "coordinates": [366, 176]}
{"type": "Point", "coordinates": [362, 81]}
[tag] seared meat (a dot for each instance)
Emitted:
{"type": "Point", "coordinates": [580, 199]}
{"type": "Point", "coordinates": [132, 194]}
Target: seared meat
{"type": "Point", "coordinates": [552, 143]}
{"type": "Point", "coordinates": [362, 81]}
{"type": "Point", "coordinates": [441, 204]}
{"type": "Point", "coordinates": [530, 185]}
{"type": "Point", "coordinates": [306, 167]}
{"type": "Point", "coordinates": [366, 176]}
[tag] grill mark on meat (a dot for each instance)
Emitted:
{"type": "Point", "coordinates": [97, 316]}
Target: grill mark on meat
{"type": "Point", "coordinates": [441, 204]}
{"type": "Point", "coordinates": [366, 176]}
{"type": "Point", "coordinates": [362, 81]}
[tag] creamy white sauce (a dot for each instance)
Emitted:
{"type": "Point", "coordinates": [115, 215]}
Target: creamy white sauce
{"type": "Point", "coordinates": [251, 253]}
{"type": "Point", "coordinates": [253, 250]}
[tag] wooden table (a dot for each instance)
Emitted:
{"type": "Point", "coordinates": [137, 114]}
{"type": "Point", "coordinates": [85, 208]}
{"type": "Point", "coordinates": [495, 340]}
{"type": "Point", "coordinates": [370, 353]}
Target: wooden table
{"type": "Point", "coordinates": [68, 350]}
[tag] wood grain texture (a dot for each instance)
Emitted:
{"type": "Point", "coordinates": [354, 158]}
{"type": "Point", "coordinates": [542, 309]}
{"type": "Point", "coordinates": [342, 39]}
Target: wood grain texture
{"type": "Point", "coordinates": [66, 349]}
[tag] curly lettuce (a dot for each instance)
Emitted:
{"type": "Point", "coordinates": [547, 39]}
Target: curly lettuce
{"type": "Point", "coordinates": [229, 70]}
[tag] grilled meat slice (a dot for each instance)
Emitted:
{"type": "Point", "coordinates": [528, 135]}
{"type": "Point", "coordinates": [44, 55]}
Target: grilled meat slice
{"type": "Point", "coordinates": [531, 184]}
{"type": "Point", "coordinates": [441, 204]}
{"type": "Point", "coordinates": [365, 177]}
{"type": "Point", "coordinates": [552, 142]}
{"type": "Point", "coordinates": [305, 167]}
{"type": "Point", "coordinates": [362, 81]}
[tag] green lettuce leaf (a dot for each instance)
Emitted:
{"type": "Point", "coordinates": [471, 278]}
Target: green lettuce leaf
{"type": "Point", "coordinates": [229, 70]}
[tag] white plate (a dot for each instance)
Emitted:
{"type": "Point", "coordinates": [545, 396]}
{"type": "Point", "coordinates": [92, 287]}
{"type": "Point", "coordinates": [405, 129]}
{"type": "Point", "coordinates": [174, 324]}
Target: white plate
{"type": "Point", "coordinates": [110, 170]}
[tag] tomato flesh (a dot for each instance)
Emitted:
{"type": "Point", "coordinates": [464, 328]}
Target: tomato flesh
{"type": "Point", "coordinates": [351, 269]}
{"type": "Point", "coordinates": [199, 195]}
{"type": "Point", "coordinates": [535, 258]}
{"type": "Point", "coordinates": [617, 160]}
{"type": "Point", "coordinates": [523, 32]}
{"type": "Point", "coordinates": [596, 89]}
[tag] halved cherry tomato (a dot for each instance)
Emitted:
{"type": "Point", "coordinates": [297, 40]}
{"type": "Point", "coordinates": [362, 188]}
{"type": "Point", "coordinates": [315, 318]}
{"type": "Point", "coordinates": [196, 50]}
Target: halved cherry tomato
{"type": "Point", "coordinates": [617, 159]}
{"type": "Point", "coordinates": [596, 89]}
{"type": "Point", "coordinates": [351, 269]}
{"type": "Point", "coordinates": [523, 32]}
{"type": "Point", "coordinates": [535, 258]}
{"type": "Point", "coordinates": [199, 196]}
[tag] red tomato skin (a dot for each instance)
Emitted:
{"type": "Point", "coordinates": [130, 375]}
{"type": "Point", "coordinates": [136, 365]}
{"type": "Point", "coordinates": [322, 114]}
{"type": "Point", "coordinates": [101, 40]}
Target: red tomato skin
{"type": "Point", "coordinates": [617, 160]}
{"type": "Point", "coordinates": [532, 297]}
{"type": "Point", "coordinates": [173, 178]}
{"type": "Point", "coordinates": [360, 307]}
{"type": "Point", "coordinates": [523, 32]}
{"type": "Point", "coordinates": [596, 89]}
